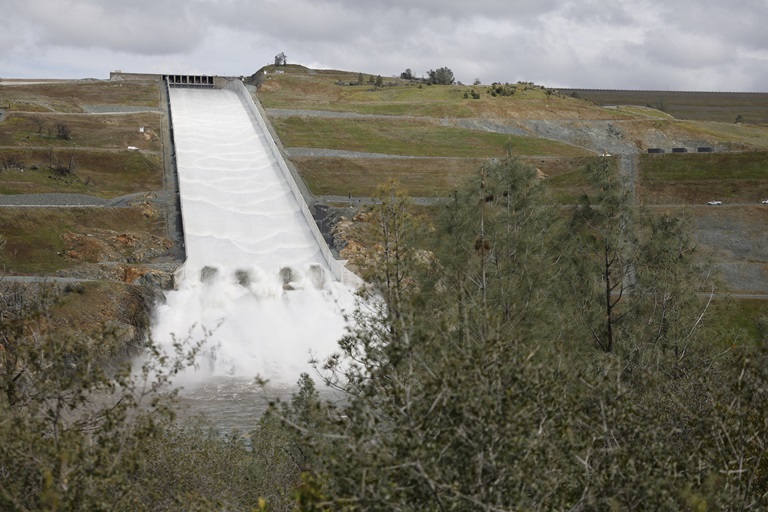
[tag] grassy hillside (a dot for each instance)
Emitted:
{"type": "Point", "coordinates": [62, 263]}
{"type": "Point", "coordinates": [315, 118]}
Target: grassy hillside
{"type": "Point", "coordinates": [413, 119]}
{"type": "Point", "coordinates": [49, 143]}
{"type": "Point", "coordinates": [411, 137]}
{"type": "Point", "coordinates": [439, 136]}
{"type": "Point", "coordinates": [750, 107]}
{"type": "Point", "coordinates": [25, 129]}
{"type": "Point", "coordinates": [300, 88]}
{"type": "Point", "coordinates": [72, 96]}
{"type": "Point", "coordinates": [554, 131]}
{"type": "Point", "coordinates": [696, 178]}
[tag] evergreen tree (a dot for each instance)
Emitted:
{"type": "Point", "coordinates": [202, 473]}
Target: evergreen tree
{"type": "Point", "coordinates": [469, 388]}
{"type": "Point", "coordinates": [602, 236]}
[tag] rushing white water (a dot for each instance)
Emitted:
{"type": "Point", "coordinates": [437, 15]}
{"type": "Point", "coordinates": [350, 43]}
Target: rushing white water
{"type": "Point", "coordinates": [255, 284]}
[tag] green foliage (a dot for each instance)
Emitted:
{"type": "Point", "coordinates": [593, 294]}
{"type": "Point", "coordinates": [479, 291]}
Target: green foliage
{"type": "Point", "coordinates": [80, 433]}
{"type": "Point", "coordinates": [476, 378]}
{"type": "Point", "coordinates": [442, 368]}
{"type": "Point", "coordinates": [693, 167]}
{"type": "Point", "coordinates": [415, 138]}
{"type": "Point", "coordinates": [195, 466]}
{"type": "Point", "coordinates": [659, 105]}
{"type": "Point", "coordinates": [470, 387]}
{"type": "Point", "coordinates": [602, 234]}
{"type": "Point", "coordinates": [285, 465]}
{"type": "Point", "coordinates": [441, 76]}
{"type": "Point", "coordinates": [62, 131]}
{"type": "Point", "coordinates": [497, 89]}
{"type": "Point", "coordinates": [634, 273]}
{"type": "Point", "coordinates": [73, 431]}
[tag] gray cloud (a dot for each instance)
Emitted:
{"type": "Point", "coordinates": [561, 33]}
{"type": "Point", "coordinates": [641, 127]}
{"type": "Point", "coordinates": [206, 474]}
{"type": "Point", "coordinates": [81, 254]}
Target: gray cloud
{"type": "Point", "coordinates": [141, 26]}
{"type": "Point", "coordinates": [686, 50]}
{"type": "Point", "coordinates": [595, 43]}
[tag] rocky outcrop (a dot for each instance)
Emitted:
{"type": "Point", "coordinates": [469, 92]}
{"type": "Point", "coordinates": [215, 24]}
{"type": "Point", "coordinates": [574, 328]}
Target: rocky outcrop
{"type": "Point", "coordinates": [102, 245]}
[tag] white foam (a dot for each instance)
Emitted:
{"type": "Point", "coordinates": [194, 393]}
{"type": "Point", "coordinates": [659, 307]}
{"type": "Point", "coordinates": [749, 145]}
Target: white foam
{"type": "Point", "coordinates": [243, 228]}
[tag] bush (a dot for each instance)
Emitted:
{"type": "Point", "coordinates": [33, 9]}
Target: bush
{"type": "Point", "coordinates": [497, 89]}
{"type": "Point", "coordinates": [62, 132]}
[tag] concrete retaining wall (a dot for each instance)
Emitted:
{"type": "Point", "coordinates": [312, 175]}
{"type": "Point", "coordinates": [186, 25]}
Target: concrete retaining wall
{"type": "Point", "coordinates": [174, 218]}
{"type": "Point", "coordinates": [178, 275]}
{"type": "Point", "coordinates": [337, 267]}
{"type": "Point", "coordinates": [217, 82]}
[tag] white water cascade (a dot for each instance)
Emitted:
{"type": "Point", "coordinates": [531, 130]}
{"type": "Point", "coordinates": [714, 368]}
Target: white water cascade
{"type": "Point", "coordinates": [255, 284]}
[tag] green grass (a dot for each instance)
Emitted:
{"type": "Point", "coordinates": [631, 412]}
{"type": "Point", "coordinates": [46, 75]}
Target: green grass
{"type": "Point", "coordinates": [567, 178]}
{"type": "Point", "coordinates": [28, 151]}
{"type": "Point", "coordinates": [301, 90]}
{"type": "Point", "coordinates": [699, 177]}
{"type": "Point", "coordinates": [698, 193]}
{"type": "Point", "coordinates": [429, 177]}
{"type": "Point", "coordinates": [101, 173]}
{"type": "Point", "coordinates": [575, 178]}
{"type": "Point", "coordinates": [742, 317]}
{"type": "Point", "coordinates": [70, 96]}
{"type": "Point", "coordinates": [705, 166]}
{"type": "Point", "coordinates": [737, 136]}
{"type": "Point", "coordinates": [34, 243]}
{"type": "Point", "coordinates": [701, 106]}
{"type": "Point", "coordinates": [411, 137]}
{"type": "Point", "coordinates": [95, 131]}
{"type": "Point", "coordinates": [416, 109]}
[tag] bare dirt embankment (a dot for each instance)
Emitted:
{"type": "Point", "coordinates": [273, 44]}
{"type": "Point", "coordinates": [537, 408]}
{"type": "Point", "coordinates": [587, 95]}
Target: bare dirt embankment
{"type": "Point", "coordinates": [735, 238]}
{"type": "Point", "coordinates": [112, 317]}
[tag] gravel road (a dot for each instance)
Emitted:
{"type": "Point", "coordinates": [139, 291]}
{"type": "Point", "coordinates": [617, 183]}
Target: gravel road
{"type": "Point", "coordinates": [286, 112]}
{"type": "Point", "coordinates": [320, 152]}
{"type": "Point", "coordinates": [354, 200]}
{"type": "Point", "coordinates": [118, 109]}
{"type": "Point", "coordinates": [65, 200]}
{"type": "Point", "coordinates": [52, 200]}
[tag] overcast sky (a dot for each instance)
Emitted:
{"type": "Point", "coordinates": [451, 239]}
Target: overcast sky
{"type": "Point", "coordinates": [706, 45]}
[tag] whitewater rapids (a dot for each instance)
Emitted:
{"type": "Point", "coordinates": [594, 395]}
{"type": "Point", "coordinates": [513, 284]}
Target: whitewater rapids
{"type": "Point", "coordinates": [255, 285]}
